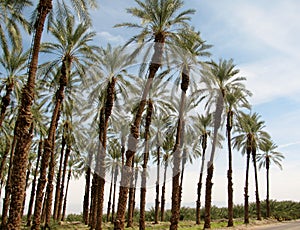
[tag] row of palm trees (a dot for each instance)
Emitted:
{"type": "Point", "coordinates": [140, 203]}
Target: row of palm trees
{"type": "Point", "coordinates": [95, 99]}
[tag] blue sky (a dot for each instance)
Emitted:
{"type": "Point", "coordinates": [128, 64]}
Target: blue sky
{"type": "Point", "coordinates": [262, 37]}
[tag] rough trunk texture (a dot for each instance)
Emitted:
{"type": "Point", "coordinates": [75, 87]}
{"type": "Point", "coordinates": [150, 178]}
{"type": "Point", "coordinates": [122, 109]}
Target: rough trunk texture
{"type": "Point", "coordinates": [131, 200]}
{"type": "Point", "coordinates": [142, 225]}
{"type": "Point", "coordinates": [229, 172]}
{"type": "Point", "coordinates": [23, 125]}
{"type": "Point", "coordinates": [208, 191]}
{"type": "Point", "coordinates": [114, 194]}
{"type": "Point", "coordinates": [86, 196]}
{"type": "Point", "coordinates": [93, 208]}
{"type": "Point", "coordinates": [32, 194]}
{"type": "Point", "coordinates": [198, 202]}
{"type": "Point", "coordinates": [246, 196]}
{"type": "Point", "coordinates": [3, 161]}
{"type": "Point", "coordinates": [8, 187]}
{"type": "Point", "coordinates": [58, 178]}
{"type": "Point", "coordinates": [134, 132]}
{"type": "Point", "coordinates": [66, 195]}
{"type": "Point", "coordinates": [258, 211]}
{"type": "Point", "coordinates": [49, 190]}
{"type": "Point", "coordinates": [63, 179]}
{"type": "Point", "coordinates": [26, 185]}
{"type": "Point", "coordinates": [6, 100]}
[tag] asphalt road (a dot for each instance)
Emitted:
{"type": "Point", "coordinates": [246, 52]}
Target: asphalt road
{"type": "Point", "coordinates": [291, 225]}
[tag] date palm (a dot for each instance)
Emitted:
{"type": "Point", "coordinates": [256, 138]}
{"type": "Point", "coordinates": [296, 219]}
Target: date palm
{"type": "Point", "coordinates": [160, 21]}
{"type": "Point", "coordinates": [269, 155]}
{"type": "Point", "coordinates": [24, 118]}
{"type": "Point", "coordinates": [218, 78]}
{"type": "Point", "coordinates": [72, 52]}
{"type": "Point", "coordinates": [202, 125]}
{"type": "Point", "coordinates": [235, 100]}
{"type": "Point", "coordinates": [249, 135]}
{"type": "Point", "coordinates": [189, 47]}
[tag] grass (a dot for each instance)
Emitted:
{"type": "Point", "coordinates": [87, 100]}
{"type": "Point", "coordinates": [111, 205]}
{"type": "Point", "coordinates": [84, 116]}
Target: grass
{"type": "Point", "coordinates": [161, 226]}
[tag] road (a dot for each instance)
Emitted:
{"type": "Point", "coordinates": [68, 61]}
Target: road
{"type": "Point", "coordinates": [291, 225]}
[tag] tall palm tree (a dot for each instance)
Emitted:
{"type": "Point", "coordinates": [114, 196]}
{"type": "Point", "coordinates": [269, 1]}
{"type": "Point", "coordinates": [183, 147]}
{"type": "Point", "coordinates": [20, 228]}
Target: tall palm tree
{"type": "Point", "coordinates": [189, 46]}
{"type": "Point", "coordinates": [202, 124]}
{"type": "Point", "coordinates": [218, 79]}
{"type": "Point", "coordinates": [265, 159]}
{"type": "Point", "coordinates": [24, 121]}
{"type": "Point", "coordinates": [235, 100]}
{"type": "Point", "coordinates": [249, 135]}
{"type": "Point", "coordinates": [72, 51]}
{"type": "Point", "coordinates": [24, 118]}
{"type": "Point", "coordinates": [160, 22]}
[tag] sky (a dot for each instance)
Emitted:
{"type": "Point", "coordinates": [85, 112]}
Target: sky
{"type": "Point", "coordinates": [262, 37]}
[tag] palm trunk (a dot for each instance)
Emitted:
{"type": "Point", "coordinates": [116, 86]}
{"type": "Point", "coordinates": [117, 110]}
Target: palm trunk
{"type": "Point", "coordinates": [58, 179]}
{"type": "Point", "coordinates": [258, 211]}
{"type": "Point", "coordinates": [63, 179]}
{"type": "Point", "coordinates": [26, 185]}
{"type": "Point", "coordinates": [142, 225]}
{"type": "Point", "coordinates": [134, 132]}
{"type": "Point", "coordinates": [114, 194]}
{"type": "Point", "coordinates": [32, 195]}
{"type": "Point", "coordinates": [6, 99]}
{"type": "Point", "coordinates": [246, 196]}
{"type": "Point", "coordinates": [198, 202]}
{"type": "Point", "coordinates": [49, 143]}
{"type": "Point", "coordinates": [184, 158]}
{"type": "Point", "coordinates": [108, 110]}
{"type": "Point", "coordinates": [3, 162]}
{"type": "Point", "coordinates": [163, 193]}
{"type": "Point", "coordinates": [175, 210]}
{"type": "Point", "coordinates": [94, 194]}
{"type": "Point", "coordinates": [23, 131]}
{"type": "Point", "coordinates": [110, 194]}
{"type": "Point", "coordinates": [156, 216]}
{"type": "Point", "coordinates": [210, 164]}
{"type": "Point", "coordinates": [8, 186]}
{"type": "Point", "coordinates": [268, 190]}
{"type": "Point", "coordinates": [66, 195]}
{"type": "Point", "coordinates": [86, 196]}
{"type": "Point", "coordinates": [130, 201]}
{"type": "Point", "coordinates": [49, 190]}
{"type": "Point", "coordinates": [229, 172]}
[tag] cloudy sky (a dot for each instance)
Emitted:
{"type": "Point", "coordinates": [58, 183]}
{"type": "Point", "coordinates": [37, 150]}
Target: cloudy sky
{"type": "Point", "coordinates": [262, 37]}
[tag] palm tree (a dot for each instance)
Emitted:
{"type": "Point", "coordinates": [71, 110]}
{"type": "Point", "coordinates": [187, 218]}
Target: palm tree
{"type": "Point", "coordinates": [160, 21]}
{"type": "Point", "coordinates": [218, 79]}
{"type": "Point", "coordinates": [167, 148]}
{"type": "Point", "coordinates": [113, 163]}
{"type": "Point", "coordinates": [24, 118]}
{"type": "Point", "coordinates": [191, 46]}
{"type": "Point", "coordinates": [202, 124]}
{"type": "Point", "coordinates": [235, 100]}
{"type": "Point", "coordinates": [72, 50]}
{"type": "Point", "coordinates": [148, 119]}
{"type": "Point", "coordinates": [265, 159]}
{"type": "Point", "coordinates": [250, 134]}
{"type": "Point", "coordinates": [24, 121]}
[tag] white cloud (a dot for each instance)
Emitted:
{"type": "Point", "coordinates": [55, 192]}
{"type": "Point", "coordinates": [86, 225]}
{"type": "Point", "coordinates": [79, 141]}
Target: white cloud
{"type": "Point", "coordinates": [110, 38]}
